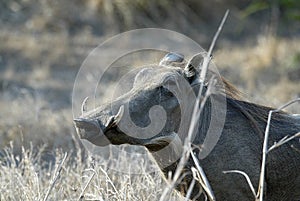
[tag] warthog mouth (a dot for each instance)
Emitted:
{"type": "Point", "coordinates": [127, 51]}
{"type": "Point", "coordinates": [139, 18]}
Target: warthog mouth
{"type": "Point", "coordinates": [91, 130]}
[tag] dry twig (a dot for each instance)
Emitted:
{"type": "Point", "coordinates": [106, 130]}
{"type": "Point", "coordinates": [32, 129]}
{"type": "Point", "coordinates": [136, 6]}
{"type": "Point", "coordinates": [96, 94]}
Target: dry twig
{"type": "Point", "coordinates": [202, 178]}
{"type": "Point", "coordinates": [81, 196]}
{"type": "Point", "coordinates": [283, 141]}
{"type": "Point", "coordinates": [259, 195]}
{"type": "Point", "coordinates": [195, 118]}
{"type": "Point", "coordinates": [246, 177]}
{"type": "Point", "coordinates": [55, 176]}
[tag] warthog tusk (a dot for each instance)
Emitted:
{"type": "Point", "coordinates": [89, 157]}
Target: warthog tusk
{"type": "Point", "coordinates": [83, 108]}
{"type": "Point", "coordinates": [119, 115]}
{"type": "Point", "coordinates": [114, 120]}
{"type": "Point", "coordinates": [109, 122]}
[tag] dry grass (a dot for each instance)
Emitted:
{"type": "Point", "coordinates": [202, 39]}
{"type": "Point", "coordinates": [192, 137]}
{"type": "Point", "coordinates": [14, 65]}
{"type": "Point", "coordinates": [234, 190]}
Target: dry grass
{"type": "Point", "coordinates": [39, 58]}
{"type": "Point", "coordinates": [28, 176]}
{"type": "Point", "coordinates": [263, 69]}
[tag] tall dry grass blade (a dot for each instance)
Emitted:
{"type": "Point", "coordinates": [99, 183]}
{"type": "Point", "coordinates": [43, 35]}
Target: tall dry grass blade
{"type": "Point", "coordinates": [259, 195]}
{"type": "Point", "coordinates": [55, 176]}
{"type": "Point", "coordinates": [207, 58]}
{"type": "Point", "coordinates": [283, 141]}
{"type": "Point", "coordinates": [190, 190]}
{"type": "Point", "coordinates": [195, 115]}
{"type": "Point", "coordinates": [246, 177]}
{"type": "Point", "coordinates": [205, 183]}
{"type": "Point", "coordinates": [108, 180]}
{"type": "Point", "coordinates": [81, 196]}
{"type": "Point", "coordinates": [176, 175]}
{"type": "Point", "coordinates": [295, 149]}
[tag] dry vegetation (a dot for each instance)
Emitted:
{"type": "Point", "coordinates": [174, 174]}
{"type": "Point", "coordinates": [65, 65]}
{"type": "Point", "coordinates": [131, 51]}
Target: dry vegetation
{"type": "Point", "coordinates": [43, 44]}
{"type": "Point", "coordinates": [29, 176]}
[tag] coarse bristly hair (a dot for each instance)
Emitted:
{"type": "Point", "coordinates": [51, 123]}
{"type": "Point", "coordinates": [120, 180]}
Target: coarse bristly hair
{"type": "Point", "coordinates": [253, 112]}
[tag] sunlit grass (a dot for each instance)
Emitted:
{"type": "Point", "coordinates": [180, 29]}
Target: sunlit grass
{"type": "Point", "coordinates": [29, 175]}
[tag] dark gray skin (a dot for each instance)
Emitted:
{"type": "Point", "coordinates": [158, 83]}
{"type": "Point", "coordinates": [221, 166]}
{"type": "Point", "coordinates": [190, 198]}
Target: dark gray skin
{"type": "Point", "coordinates": [239, 147]}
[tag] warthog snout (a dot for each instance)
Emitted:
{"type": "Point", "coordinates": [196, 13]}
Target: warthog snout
{"type": "Point", "coordinates": [90, 127]}
{"type": "Point", "coordinates": [87, 128]}
{"type": "Point", "coordinates": [95, 129]}
{"type": "Point", "coordinates": [91, 130]}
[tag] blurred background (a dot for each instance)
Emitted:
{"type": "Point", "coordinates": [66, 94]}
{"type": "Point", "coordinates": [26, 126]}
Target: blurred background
{"type": "Point", "coordinates": [43, 44]}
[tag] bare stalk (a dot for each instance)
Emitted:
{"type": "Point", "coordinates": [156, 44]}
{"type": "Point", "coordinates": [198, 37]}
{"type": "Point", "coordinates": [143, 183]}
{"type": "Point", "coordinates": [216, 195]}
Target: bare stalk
{"type": "Point", "coordinates": [108, 180]}
{"type": "Point", "coordinates": [207, 58]}
{"type": "Point", "coordinates": [190, 190]}
{"type": "Point", "coordinates": [297, 150]}
{"type": "Point", "coordinates": [283, 141]}
{"type": "Point", "coordinates": [259, 195]}
{"type": "Point", "coordinates": [55, 176]}
{"type": "Point", "coordinates": [195, 115]}
{"type": "Point", "coordinates": [180, 166]}
{"type": "Point", "coordinates": [246, 177]}
{"type": "Point", "coordinates": [204, 181]}
{"type": "Point", "coordinates": [81, 196]}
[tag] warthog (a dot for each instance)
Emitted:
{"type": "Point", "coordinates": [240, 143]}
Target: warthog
{"type": "Point", "coordinates": [239, 147]}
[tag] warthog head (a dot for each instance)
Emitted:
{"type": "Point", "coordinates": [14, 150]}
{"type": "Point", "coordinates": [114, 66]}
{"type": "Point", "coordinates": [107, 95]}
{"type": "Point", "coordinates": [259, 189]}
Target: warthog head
{"type": "Point", "coordinates": [150, 113]}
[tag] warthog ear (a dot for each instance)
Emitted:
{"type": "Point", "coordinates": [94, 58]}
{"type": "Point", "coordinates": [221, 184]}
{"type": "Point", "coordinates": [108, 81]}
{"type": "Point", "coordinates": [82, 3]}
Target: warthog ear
{"type": "Point", "coordinates": [192, 68]}
{"type": "Point", "coordinates": [172, 58]}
